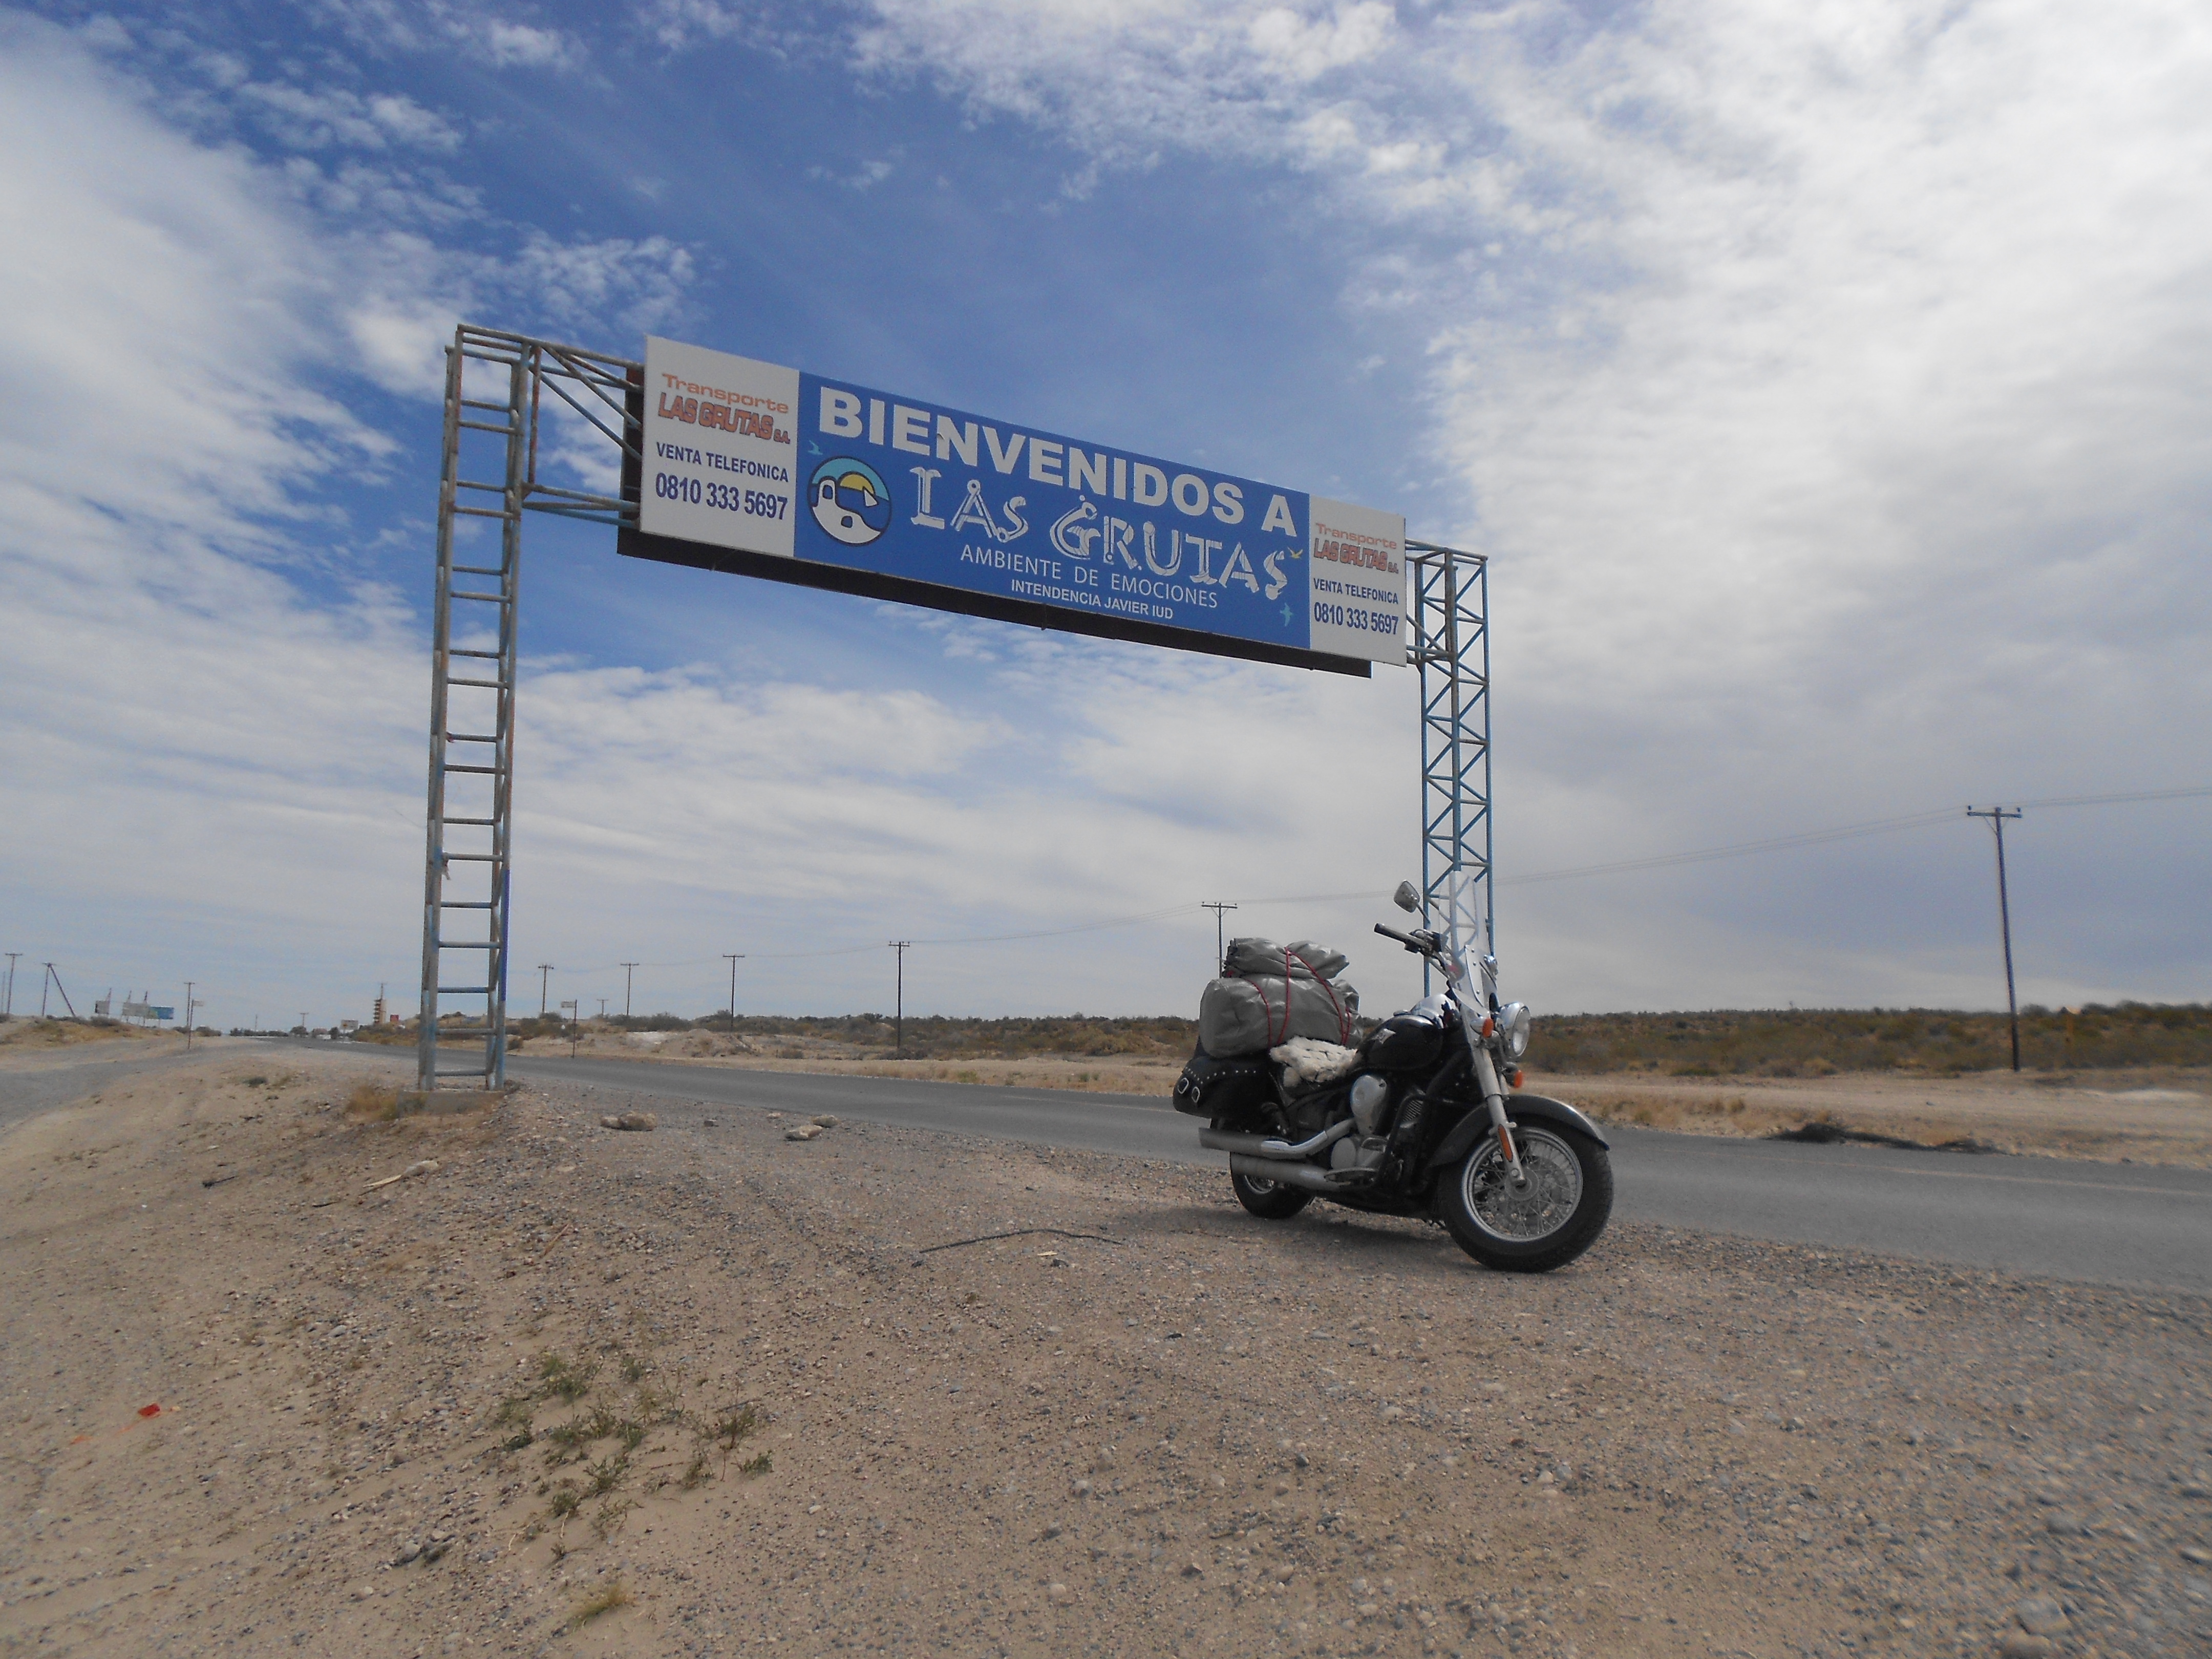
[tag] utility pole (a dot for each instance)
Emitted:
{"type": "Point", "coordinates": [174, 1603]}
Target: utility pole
{"type": "Point", "coordinates": [545, 973]}
{"type": "Point", "coordinates": [733, 957]}
{"type": "Point", "coordinates": [627, 968]}
{"type": "Point", "coordinates": [8, 1010]}
{"type": "Point", "coordinates": [304, 1031]}
{"type": "Point", "coordinates": [1996, 816]}
{"type": "Point", "coordinates": [603, 1008]}
{"type": "Point", "coordinates": [1220, 945]}
{"type": "Point", "coordinates": [188, 1016]}
{"type": "Point", "coordinates": [898, 1038]}
{"type": "Point", "coordinates": [54, 974]}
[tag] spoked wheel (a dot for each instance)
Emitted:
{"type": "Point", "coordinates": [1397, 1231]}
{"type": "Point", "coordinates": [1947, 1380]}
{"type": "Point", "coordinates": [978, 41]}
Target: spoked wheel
{"type": "Point", "coordinates": [1543, 1223]}
{"type": "Point", "coordinates": [1271, 1200]}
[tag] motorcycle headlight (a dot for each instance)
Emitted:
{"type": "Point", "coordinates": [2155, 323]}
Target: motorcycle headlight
{"type": "Point", "coordinates": [1513, 1028]}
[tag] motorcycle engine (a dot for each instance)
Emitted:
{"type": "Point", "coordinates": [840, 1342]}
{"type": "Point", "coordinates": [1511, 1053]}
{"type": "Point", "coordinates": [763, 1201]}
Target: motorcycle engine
{"type": "Point", "coordinates": [1354, 1152]}
{"type": "Point", "coordinates": [1369, 1096]}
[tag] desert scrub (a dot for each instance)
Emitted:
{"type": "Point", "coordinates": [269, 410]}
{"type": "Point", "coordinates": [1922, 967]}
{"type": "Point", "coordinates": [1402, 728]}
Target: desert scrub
{"type": "Point", "coordinates": [697, 1471]}
{"type": "Point", "coordinates": [562, 1379]}
{"type": "Point", "coordinates": [375, 1103]}
{"type": "Point", "coordinates": [605, 1600]}
{"type": "Point", "coordinates": [570, 1440]}
{"type": "Point", "coordinates": [611, 1514]}
{"type": "Point", "coordinates": [603, 1476]}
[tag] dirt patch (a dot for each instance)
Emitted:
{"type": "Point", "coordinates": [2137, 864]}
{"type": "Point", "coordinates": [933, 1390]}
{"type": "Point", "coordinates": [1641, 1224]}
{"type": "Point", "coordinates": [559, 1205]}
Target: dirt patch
{"type": "Point", "coordinates": [708, 1388]}
{"type": "Point", "coordinates": [20, 1035]}
{"type": "Point", "coordinates": [2153, 1116]}
{"type": "Point", "coordinates": [1110, 1075]}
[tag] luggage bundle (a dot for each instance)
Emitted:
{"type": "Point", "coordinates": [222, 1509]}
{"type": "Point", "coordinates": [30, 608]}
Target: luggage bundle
{"type": "Point", "coordinates": [1272, 993]}
{"type": "Point", "coordinates": [1268, 995]}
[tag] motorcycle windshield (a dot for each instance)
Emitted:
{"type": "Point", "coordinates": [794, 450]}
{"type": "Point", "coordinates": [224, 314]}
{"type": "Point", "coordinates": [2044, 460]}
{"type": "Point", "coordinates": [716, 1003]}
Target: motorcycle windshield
{"type": "Point", "coordinates": [1460, 917]}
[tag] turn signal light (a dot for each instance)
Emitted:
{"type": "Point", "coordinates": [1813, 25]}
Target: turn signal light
{"type": "Point", "coordinates": [1516, 1078]}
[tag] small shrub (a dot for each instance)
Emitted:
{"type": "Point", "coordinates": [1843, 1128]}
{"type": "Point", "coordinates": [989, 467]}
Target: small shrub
{"type": "Point", "coordinates": [603, 1476]}
{"type": "Point", "coordinates": [759, 1465]}
{"type": "Point", "coordinates": [696, 1471]}
{"type": "Point", "coordinates": [564, 1501]}
{"type": "Point", "coordinates": [611, 1514]}
{"type": "Point", "coordinates": [374, 1104]}
{"type": "Point", "coordinates": [558, 1379]}
{"type": "Point", "coordinates": [614, 1595]}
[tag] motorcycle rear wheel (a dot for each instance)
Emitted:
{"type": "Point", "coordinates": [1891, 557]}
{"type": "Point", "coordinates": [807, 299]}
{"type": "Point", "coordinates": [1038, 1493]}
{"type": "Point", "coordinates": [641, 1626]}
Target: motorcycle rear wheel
{"type": "Point", "coordinates": [1271, 1200]}
{"type": "Point", "coordinates": [1530, 1229]}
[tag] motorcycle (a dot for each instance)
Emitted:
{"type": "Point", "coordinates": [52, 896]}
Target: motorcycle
{"type": "Point", "coordinates": [1419, 1124]}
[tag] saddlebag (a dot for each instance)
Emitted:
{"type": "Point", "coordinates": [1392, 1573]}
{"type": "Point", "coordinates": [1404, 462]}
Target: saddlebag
{"type": "Point", "coordinates": [1223, 1089]}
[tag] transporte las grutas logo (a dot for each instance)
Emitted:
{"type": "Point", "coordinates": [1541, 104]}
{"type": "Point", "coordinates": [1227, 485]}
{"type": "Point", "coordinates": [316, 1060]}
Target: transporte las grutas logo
{"type": "Point", "coordinates": [849, 501]}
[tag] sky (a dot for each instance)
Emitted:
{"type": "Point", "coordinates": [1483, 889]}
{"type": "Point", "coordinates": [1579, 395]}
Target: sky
{"type": "Point", "coordinates": [1830, 387]}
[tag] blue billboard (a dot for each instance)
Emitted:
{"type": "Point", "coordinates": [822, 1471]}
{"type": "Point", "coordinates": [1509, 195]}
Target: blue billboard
{"type": "Point", "coordinates": [772, 461]}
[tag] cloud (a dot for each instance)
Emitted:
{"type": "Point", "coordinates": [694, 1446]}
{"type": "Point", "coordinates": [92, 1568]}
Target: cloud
{"type": "Point", "coordinates": [492, 35]}
{"type": "Point", "coordinates": [303, 119]}
{"type": "Point", "coordinates": [1829, 388]}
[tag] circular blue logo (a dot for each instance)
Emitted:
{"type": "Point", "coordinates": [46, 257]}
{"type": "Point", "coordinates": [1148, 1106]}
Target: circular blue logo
{"type": "Point", "coordinates": [849, 501]}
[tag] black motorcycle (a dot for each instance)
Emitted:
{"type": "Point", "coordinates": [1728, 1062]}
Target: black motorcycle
{"type": "Point", "coordinates": [1419, 1124]}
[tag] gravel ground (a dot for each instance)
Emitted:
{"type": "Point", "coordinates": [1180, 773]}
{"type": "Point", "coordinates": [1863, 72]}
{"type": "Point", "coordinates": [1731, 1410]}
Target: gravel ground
{"type": "Point", "coordinates": [707, 1388]}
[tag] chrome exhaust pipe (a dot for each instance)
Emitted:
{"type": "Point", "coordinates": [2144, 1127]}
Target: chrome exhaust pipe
{"type": "Point", "coordinates": [1286, 1175]}
{"type": "Point", "coordinates": [1225, 1141]}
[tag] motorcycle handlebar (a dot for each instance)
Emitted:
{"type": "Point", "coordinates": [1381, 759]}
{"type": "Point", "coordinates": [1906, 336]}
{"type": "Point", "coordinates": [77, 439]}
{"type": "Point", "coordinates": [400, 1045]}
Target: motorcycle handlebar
{"type": "Point", "coordinates": [1392, 932]}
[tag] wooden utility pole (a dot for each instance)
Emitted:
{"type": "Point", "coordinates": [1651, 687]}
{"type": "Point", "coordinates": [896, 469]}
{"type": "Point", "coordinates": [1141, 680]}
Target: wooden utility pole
{"type": "Point", "coordinates": [898, 1029]}
{"type": "Point", "coordinates": [1996, 816]}
{"type": "Point", "coordinates": [1220, 945]}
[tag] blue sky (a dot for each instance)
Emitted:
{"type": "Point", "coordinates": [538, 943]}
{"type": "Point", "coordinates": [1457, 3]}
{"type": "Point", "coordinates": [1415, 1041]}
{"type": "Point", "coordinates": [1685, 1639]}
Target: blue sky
{"type": "Point", "coordinates": [1829, 387]}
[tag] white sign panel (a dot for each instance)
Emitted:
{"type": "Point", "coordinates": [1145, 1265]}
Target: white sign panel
{"type": "Point", "coordinates": [719, 448]}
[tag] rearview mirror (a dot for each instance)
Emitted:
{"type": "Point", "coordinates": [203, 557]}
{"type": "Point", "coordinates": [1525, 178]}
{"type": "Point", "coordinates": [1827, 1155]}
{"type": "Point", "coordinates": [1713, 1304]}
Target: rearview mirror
{"type": "Point", "coordinates": [1407, 897]}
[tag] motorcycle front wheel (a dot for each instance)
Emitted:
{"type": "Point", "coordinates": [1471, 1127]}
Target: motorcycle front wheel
{"type": "Point", "coordinates": [1271, 1200]}
{"type": "Point", "coordinates": [1547, 1222]}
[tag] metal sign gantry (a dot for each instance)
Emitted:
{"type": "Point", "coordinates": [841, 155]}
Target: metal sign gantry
{"type": "Point", "coordinates": [495, 387]}
{"type": "Point", "coordinates": [1449, 615]}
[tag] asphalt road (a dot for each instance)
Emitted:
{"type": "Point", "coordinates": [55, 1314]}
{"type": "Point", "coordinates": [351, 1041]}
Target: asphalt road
{"type": "Point", "coordinates": [2051, 1217]}
{"type": "Point", "coordinates": [38, 1082]}
{"type": "Point", "coordinates": [2097, 1223]}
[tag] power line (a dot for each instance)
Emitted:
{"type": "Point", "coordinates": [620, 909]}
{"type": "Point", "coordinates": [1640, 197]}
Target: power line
{"type": "Point", "coordinates": [1660, 860]}
{"type": "Point", "coordinates": [1846, 832]}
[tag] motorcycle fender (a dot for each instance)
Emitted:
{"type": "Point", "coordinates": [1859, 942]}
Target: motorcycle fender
{"type": "Point", "coordinates": [1521, 1109]}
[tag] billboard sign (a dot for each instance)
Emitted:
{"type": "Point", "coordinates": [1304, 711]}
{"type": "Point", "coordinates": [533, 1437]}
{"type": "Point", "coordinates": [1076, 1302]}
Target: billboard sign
{"type": "Point", "coordinates": [913, 500]}
{"type": "Point", "coordinates": [148, 1010]}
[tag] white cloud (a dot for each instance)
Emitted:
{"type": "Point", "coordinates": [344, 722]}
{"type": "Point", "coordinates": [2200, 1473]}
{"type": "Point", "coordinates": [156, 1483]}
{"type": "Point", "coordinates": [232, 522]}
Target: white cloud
{"type": "Point", "coordinates": [1831, 385]}
{"type": "Point", "coordinates": [304, 119]}
{"type": "Point", "coordinates": [495, 35]}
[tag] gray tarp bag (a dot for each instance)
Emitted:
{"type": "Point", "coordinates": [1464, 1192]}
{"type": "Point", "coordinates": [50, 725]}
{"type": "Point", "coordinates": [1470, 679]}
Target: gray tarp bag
{"type": "Point", "coordinates": [1251, 1015]}
{"type": "Point", "coordinates": [1299, 959]}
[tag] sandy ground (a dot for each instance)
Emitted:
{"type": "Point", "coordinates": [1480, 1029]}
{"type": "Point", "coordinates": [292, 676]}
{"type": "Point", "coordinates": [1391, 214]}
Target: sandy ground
{"type": "Point", "coordinates": [740, 1393]}
{"type": "Point", "coordinates": [19, 1036]}
{"type": "Point", "coordinates": [1110, 1074]}
{"type": "Point", "coordinates": [2161, 1116]}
